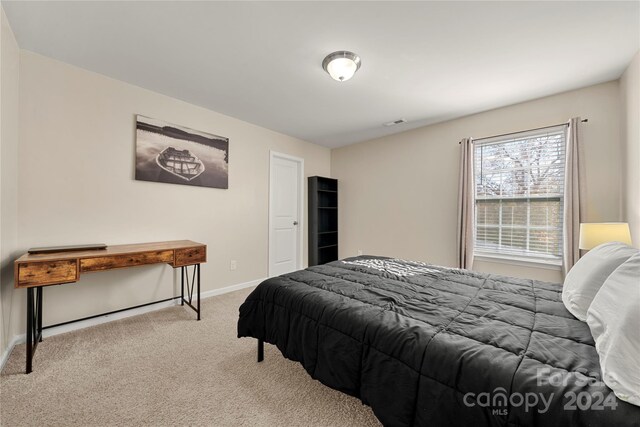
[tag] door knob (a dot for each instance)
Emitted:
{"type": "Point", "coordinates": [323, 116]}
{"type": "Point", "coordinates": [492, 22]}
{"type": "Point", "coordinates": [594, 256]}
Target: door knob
{"type": "Point", "coordinates": [295, 222]}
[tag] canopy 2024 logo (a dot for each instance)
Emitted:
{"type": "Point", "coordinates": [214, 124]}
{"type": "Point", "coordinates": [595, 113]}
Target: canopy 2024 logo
{"type": "Point", "coordinates": [499, 401]}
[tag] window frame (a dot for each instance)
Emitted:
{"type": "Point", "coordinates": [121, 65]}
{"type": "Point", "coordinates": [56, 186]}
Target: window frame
{"type": "Point", "coordinates": [553, 262]}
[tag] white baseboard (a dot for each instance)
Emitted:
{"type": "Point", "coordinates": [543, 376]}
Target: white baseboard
{"type": "Point", "coordinates": [227, 289]}
{"type": "Point", "coordinates": [14, 341]}
{"type": "Point", "coordinates": [20, 339]}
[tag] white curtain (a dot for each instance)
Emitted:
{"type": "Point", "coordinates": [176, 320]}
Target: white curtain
{"type": "Point", "coordinates": [573, 202]}
{"type": "Point", "coordinates": [466, 205]}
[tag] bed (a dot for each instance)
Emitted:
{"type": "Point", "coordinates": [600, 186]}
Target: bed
{"type": "Point", "coordinates": [429, 345]}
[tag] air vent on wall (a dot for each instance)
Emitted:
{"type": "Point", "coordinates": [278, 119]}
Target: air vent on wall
{"type": "Point", "coordinates": [395, 122]}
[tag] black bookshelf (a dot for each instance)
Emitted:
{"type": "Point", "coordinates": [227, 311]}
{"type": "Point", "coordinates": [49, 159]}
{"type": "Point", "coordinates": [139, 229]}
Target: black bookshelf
{"type": "Point", "coordinates": [323, 220]}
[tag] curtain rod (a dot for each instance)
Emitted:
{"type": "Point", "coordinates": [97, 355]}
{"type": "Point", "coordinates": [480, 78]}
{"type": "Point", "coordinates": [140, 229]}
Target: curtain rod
{"type": "Point", "coordinates": [528, 130]}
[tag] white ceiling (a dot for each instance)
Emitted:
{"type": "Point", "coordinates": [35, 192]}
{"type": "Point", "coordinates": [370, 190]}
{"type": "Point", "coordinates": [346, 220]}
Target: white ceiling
{"type": "Point", "coordinates": [261, 61]}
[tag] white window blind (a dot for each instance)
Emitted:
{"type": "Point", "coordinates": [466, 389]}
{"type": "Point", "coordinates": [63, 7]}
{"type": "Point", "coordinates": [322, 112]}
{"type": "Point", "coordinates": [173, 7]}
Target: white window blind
{"type": "Point", "coordinates": [519, 193]}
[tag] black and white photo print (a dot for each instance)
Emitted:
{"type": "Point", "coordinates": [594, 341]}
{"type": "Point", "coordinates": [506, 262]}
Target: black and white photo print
{"type": "Point", "coordinates": [179, 155]}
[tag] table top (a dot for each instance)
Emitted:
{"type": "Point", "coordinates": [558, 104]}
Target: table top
{"type": "Point", "coordinates": [110, 251]}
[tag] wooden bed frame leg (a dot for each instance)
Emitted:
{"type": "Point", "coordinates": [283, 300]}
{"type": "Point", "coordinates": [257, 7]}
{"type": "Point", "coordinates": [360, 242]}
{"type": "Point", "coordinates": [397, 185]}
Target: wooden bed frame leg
{"type": "Point", "coordinates": [260, 350]}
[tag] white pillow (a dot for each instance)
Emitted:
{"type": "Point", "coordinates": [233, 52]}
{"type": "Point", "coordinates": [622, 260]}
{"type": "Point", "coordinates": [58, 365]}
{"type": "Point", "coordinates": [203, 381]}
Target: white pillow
{"type": "Point", "coordinates": [614, 320]}
{"type": "Point", "coordinates": [589, 273]}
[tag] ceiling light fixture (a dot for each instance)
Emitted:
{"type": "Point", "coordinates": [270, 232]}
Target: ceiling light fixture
{"type": "Point", "coordinates": [341, 65]}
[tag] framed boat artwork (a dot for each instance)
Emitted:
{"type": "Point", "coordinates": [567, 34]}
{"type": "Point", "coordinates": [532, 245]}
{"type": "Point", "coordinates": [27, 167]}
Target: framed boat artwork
{"type": "Point", "coordinates": [178, 155]}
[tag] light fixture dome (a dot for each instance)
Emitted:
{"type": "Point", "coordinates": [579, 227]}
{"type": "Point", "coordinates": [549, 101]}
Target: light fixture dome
{"type": "Point", "coordinates": [341, 65]}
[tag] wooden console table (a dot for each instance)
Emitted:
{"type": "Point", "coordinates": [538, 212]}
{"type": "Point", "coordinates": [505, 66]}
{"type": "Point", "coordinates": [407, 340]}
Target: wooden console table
{"type": "Point", "coordinates": [35, 271]}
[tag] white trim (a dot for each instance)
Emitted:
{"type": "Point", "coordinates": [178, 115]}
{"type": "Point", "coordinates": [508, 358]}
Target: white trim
{"type": "Point", "coordinates": [17, 339]}
{"type": "Point", "coordinates": [300, 161]}
{"type": "Point", "coordinates": [232, 288]}
{"type": "Point", "coordinates": [519, 261]}
{"type": "Point", "coordinates": [21, 338]}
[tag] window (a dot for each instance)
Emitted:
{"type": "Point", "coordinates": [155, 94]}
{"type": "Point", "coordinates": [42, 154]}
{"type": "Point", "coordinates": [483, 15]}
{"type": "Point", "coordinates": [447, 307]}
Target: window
{"type": "Point", "coordinates": [519, 194]}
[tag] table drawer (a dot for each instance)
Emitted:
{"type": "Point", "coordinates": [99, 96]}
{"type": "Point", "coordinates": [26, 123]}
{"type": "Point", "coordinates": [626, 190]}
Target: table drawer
{"type": "Point", "coordinates": [47, 273]}
{"type": "Point", "coordinates": [190, 256]}
{"type": "Point", "coordinates": [120, 261]}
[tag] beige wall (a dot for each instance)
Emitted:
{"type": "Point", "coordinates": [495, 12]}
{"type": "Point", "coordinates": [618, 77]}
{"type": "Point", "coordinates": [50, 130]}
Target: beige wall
{"type": "Point", "coordinates": [630, 97]}
{"type": "Point", "coordinates": [398, 194]}
{"type": "Point", "coordinates": [9, 77]}
{"type": "Point", "coordinates": [76, 185]}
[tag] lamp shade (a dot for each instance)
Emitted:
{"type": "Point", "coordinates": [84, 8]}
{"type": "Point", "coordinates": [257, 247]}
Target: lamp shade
{"type": "Point", "coordinates": [596, 233]}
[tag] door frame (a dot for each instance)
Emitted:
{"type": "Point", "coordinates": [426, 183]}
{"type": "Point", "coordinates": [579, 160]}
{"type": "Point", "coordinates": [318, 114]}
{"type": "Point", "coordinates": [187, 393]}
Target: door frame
{"type": "Point", "coordinates": [272, 156]}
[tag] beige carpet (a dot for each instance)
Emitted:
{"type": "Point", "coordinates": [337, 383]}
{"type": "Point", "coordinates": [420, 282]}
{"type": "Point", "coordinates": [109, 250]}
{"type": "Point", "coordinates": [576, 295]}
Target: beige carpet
{"type": "Point", "coordinates": [166, 369]}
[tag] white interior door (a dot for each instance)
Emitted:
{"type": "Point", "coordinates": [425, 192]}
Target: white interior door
{"type": "Point", "coordinates": [285, 213]}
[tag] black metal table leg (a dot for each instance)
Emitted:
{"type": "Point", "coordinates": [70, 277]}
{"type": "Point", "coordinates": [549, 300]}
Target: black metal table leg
{"type": "Point", "coordinates": [39, 297]}
{"type": "Point", "coordinates": [34, 324]}
{"type": "Point", "coordinates": [260, 350]}
{"type": "Point", "coordinates": [191, 287]}
{"type": "Point", "coordinates": [182, 286]}
{"type": "Point", "coordinates": [29, 329]}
